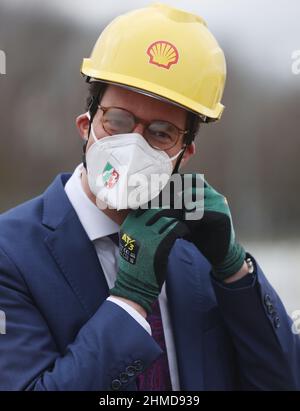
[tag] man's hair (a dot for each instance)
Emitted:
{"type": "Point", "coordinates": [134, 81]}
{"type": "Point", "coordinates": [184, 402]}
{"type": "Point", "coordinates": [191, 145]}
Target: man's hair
{"type": "Point", "coordinates": [96, 90]}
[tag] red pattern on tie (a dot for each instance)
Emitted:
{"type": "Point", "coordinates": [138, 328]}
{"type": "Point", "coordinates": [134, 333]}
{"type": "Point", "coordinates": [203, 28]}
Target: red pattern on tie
{"type": "Point", "coordinates": [157, 376]}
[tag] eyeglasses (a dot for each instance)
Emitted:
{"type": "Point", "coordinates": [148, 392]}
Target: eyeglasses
{"type": "Point", "coordinates": [160, 134]}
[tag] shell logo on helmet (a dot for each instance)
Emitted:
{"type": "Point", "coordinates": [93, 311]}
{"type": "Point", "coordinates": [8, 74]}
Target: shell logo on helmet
{"type": "Point", "coordinates": [163, 54]}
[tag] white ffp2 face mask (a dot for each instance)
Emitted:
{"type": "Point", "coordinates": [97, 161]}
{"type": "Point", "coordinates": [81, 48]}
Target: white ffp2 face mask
{"type": "Point", "coordinates": [124, 171]}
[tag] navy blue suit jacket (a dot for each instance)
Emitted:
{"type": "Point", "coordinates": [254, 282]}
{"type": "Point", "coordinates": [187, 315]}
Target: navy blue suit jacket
{"type": "Point", "coordinates": [62, 334]}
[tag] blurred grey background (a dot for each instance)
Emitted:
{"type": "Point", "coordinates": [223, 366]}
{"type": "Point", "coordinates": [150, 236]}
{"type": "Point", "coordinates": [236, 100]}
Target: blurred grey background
{"type": "Point", "coordinates": [252, 155]}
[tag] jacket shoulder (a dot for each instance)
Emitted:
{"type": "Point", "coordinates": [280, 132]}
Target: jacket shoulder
{"type": "Point", "coordinates": [26, 213]}
{"type": "Point", "coordinates": [23, 222]}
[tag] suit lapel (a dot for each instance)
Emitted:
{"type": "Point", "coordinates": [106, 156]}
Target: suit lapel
{"type": "Point", "coordinates": [71, 248]}
{"type": "Point", "coordinates": [185, 285]}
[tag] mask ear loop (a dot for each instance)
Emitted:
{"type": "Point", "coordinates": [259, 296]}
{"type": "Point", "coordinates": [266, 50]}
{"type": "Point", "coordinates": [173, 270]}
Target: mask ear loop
{"type": "Point", "coordinates": [192, 126]}
{"type": "Point", "coordinates": [92, 110]}
{"type": "Point", "coordinates": [177, 164]}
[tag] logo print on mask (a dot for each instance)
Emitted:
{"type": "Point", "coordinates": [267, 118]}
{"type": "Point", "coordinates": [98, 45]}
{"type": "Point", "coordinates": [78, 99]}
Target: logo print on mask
{"type": "Point", "coordinates": [110, 175]}
{"type": "Point", "coordinates": [163, 54]}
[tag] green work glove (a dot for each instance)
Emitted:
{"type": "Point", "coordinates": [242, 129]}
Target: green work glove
{"type": "Point", "coordinates": [146, 239]}
{"type": "Point", "coordinates": [213, 234]}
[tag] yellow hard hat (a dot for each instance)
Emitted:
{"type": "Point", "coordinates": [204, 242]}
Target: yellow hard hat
{"type": "Point", "coordinates": [163, 52]}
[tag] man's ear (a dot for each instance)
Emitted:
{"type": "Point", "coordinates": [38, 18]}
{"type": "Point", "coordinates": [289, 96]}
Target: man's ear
{"type": "Point", "coordinates": [82, 124]}
{"type": "Point", "coordinates": [189, 152]}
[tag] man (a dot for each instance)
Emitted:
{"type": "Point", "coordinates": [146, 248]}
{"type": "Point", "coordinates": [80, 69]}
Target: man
{"type": "Point", "coordinates": [180, 305]}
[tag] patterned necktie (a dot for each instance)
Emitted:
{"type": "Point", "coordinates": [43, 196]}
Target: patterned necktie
{"type": "Point", "coordinates": [157, 376]}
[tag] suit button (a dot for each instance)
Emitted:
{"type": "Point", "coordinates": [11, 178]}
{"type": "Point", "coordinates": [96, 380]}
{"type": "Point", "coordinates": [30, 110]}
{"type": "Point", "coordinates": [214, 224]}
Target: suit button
{"type": "Point", "coordinates": [138, 365]}
{"type": "Point", "coordinates": [276, 322]}
{"type": "Point", "coordinates": [267, 300]}
{"type": "Point", "coordinates": [123, 377]}
{"type": "Point", "coordinates": [270, 309]}
{"type": "Point", "coordinates": [116, 385]}
{"type": "Point", "coordinates": [130, 370]}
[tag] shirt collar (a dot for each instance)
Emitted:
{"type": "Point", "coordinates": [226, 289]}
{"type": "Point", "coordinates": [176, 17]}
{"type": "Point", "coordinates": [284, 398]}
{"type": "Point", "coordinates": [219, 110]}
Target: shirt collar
{"type": "Point", "coordinates": [94, 221]}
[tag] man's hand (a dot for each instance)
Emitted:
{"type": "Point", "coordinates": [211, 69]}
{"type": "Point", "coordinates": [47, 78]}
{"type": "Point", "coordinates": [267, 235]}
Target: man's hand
{"type": "Point", "coordinates": [146, 238]}
{"type": "Point", "coordinates": [214, 235]}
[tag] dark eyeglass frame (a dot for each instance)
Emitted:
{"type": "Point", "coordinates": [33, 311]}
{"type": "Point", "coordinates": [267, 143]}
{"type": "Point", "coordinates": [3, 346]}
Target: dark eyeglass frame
{"type": "Point", "coordinates": [145, 123]}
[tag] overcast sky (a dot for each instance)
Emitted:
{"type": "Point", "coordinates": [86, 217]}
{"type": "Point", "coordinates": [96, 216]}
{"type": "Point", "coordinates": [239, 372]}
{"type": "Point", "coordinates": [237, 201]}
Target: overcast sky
{"type": "Point", "coordinates": [263, 32]}
{"type": "Point", "coordinates": [285, 12]}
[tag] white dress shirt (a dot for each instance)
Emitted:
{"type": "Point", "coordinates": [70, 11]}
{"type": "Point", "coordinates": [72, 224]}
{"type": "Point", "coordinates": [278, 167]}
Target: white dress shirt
{"type": "Point", "coordinates": [98, 227]}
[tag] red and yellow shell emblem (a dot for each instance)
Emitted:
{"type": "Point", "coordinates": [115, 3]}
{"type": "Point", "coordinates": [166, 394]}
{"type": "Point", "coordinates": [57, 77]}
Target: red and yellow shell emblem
{"type": "Point", "coordinates": [163, 54]}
